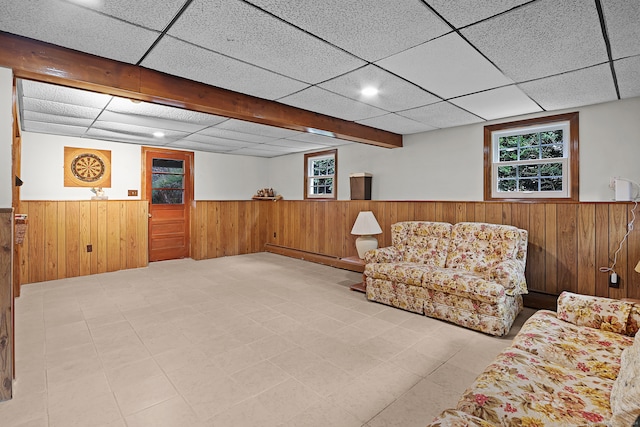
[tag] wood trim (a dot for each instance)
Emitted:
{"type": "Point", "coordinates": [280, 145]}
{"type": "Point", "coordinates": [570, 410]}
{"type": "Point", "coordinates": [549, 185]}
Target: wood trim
{"type": "Point", "coordinates": [6, 304]}
{"type": "Point", "coordinates": [343, 263]}
{"type": "Point", "coordinates": [35, 60]}
{"type": "Point", "coordinates": [574, 161]}
{"type": "Point", "coordinates": [334, 196]}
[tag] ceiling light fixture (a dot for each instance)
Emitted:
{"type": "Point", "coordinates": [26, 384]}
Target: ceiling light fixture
{"type": "Point", "coordinates": [369, 91]}
{"type": "Point", "coordinates": [158, 134]}
{"type": "Point", "coordinates": [321, 132]}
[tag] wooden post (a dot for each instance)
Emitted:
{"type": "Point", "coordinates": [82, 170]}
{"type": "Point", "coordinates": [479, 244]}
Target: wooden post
{"type": "Point", "coordinates": [6, 303]}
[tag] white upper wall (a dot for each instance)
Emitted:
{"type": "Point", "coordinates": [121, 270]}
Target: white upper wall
{"type": "Point", "coordinates": [447, 164]}
{"type": "Point", "coordinates": [6, 136]}
{"type": "Point", "coordinates": [216, 176]}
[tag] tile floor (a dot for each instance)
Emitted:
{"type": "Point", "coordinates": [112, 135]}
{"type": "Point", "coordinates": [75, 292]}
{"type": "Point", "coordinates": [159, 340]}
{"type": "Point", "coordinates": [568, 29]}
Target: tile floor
{"type": "Point", "coordinates": [239, 341]}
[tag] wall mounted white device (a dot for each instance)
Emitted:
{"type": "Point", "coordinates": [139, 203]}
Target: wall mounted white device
{"type": "Point", "coordinates": [623, 190]}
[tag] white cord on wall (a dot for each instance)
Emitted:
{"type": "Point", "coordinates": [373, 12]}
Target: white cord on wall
{"type": "Point", "coordinates": [629, 230]}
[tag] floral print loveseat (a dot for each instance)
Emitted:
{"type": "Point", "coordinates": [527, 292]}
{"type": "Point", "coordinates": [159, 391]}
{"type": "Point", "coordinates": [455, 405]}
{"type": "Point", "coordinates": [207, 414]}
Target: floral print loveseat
{"type": "Point", "coordinates": [577, 367]}
{"type": "Point", "coordinates": [470, 273]}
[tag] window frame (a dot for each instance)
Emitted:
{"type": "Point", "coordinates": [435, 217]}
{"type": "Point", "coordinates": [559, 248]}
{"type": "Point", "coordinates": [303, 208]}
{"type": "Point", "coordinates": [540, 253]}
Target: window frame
{"type": "Point", "coordinates": [570, 178]}
{"type": "Point", "coordinates": [308, 158]}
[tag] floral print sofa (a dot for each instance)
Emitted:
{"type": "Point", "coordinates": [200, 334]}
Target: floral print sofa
{"type": "Point", "coordinates": [470, 273]}
{"type": "Point", "coordinates": [577, 367]}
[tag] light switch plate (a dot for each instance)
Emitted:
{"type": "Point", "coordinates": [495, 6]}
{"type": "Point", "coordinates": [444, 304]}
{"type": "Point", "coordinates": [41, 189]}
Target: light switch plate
{"type": "Point", "coordinates": [132, 192]}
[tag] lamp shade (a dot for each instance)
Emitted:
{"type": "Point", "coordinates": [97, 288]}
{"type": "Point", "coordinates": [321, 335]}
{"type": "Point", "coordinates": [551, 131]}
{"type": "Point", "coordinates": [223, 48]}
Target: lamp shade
{"type": "Point", "coordinates": [366, 224]}
{"type": "Point", "coordinates": [638, 267]}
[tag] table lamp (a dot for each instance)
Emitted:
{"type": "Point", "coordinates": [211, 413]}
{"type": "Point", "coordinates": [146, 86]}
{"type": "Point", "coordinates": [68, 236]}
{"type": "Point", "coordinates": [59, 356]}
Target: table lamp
{"type": "Point", "coordinates": [638, 267]}
{"type": "Point", "coordinates": [365, 226]}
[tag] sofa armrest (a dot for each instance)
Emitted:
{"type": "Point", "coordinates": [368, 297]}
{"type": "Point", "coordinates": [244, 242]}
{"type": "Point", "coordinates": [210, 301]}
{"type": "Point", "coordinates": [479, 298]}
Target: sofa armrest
{"type": "Point", "coordinates": [457, 418]}
{"type": "Point", "coordinates": [510, 275]}
{"type": "Point", "coordinates": [602, 313]}
{"type": "Point", "coordinates": [388, 254]}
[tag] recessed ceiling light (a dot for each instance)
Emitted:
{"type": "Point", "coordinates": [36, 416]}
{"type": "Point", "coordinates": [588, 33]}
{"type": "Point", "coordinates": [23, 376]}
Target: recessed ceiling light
{"type": "Point", "coordinates": [158, 134]}
{"type": "Point", "coordinates": [89, 3]}
{"type": "Point", "coordinates": [369, 91]}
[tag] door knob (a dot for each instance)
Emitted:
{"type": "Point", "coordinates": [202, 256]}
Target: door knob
{"type": "Point", "coordinates": [149, 215]}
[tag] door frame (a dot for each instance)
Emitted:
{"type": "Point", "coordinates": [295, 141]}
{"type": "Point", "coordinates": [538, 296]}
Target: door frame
{"type": "Point", "coordinates": [188, 188]}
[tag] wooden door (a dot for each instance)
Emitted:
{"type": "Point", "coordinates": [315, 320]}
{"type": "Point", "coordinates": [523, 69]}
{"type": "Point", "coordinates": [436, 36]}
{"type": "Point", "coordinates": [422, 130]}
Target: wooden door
{"type": "Point", "coordinates": [168, 186]}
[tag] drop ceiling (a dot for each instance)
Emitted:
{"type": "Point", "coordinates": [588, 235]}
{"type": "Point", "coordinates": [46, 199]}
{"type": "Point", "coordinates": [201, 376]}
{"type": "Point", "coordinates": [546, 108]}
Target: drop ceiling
{"type": "Point", "coordinates": [436, 63]}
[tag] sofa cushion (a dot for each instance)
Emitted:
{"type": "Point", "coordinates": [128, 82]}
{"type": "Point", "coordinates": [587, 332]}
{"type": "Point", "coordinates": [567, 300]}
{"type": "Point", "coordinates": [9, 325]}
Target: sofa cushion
{"type": "Point", "coordinates": [595, 312]}
{"type": "Point", "coordinates": [587, 350]}
{"type": "Point", "coordinates": [477, 246]}
{"type": "Point", "coordinates": [625, 394]}
{"type": "Point", "coordinates": [464, 284]}
{"type": "Point", "coordinates": [402, 272]}
{"type": "Point", "coordinates": [526, 390]}
{"type": "Point", "coordinates": [427, 242]}
{"type": "Point", "coordinates": [633, 322]}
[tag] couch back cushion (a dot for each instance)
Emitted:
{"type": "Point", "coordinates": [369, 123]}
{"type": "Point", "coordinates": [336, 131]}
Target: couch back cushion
{"type": "Point", "coordinates": [625, 394]}
{"type": "Point", "coordinates": [422, 242]}
{"type": "Point", "coordinates": [477, 246]}
{"type": "Point", "coordinates": [595, 312]}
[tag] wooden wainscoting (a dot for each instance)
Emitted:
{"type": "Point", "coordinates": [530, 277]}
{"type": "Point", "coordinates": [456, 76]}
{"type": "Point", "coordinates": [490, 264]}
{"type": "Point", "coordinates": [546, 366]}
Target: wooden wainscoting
{"type": "Point", "coordinates": [55, 245]}
{"type": "Point", "coordinates": [6, 303]}
{"type": "Point", "coordinates": [568, 242]}
{"type": "Point", "coordinates": [223, 228]}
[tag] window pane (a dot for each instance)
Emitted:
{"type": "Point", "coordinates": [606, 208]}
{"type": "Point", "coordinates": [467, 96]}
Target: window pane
{"type": "Point", "coordinates": [551, 136]}
{"type": "Point", "coordinates": [509, 155]}
{"type": "Point", "coordinates": [528, 184]}
{"type": "Point", "coordinates": [167, 197]}
{"type": "Point", "coordinates": [508, 141]}
{"type": "Point", "coordinates": [528, 170]}
{"type": "Point", "coordinates": [551, 184]}
{"type": "Point", "coordinates": [551, 169]}
{"type": "Point", "coordinates": [552, 151]}
{"type": "Point", "coordinates": [166, 181]}
{"type": "Point", "coordinates": [507, 185]}
{"type": "Point", "coordinates": [529, 154]}
{"type": "Point", "coordinates": [506, 172]}
{"type": "Point", "coordinates": [530, 140]}
{"type": "Point", "coordinates": [167, 166]}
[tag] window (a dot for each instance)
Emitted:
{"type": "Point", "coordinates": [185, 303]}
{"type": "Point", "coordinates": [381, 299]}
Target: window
{"type": "Point", "coordinates": [167, 181]}
{"type": "Point", "coordinates": [321, 175]}
{"type": "Point", "coordinates": [532, 159]}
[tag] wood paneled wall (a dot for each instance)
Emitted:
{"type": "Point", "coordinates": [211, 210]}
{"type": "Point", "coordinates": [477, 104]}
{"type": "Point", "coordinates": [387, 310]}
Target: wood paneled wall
{"type": "Point", "coordinates": [568, 242]}
{"type": "Point", "coordinates": [223, 228]}
{"type": "Point", "coordinates": [6, 303]}
{"type": "Point", "coordinates": [55, 246]}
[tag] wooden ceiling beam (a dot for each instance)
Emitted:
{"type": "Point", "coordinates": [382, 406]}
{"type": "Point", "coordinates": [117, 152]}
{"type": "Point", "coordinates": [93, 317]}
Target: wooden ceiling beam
{"type": "Point", "coordinates": [40, 61]}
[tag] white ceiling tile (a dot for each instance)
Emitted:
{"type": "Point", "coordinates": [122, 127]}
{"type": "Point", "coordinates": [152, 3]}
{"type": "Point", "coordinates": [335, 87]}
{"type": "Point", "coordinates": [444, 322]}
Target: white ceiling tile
{"type": "Point", "coordinates": [628, 73]}
{"type": "Point", "coordinates": [56, 119]}
{"type": "Point", "coordinates": [139, 131]}
{"type": "Point", "coordinates": [397, 124]}
{"type": "Point", "coordinates": [319, 139]}
{"type": "Point", "coordinates": [124, 105]}
{"type": "Point", "coordinates": [53, 128]}
{"type": "Point", "coordinates": [51, 107]}
{"type": "Point", "coordinates": [447, 66]}
{"type": "Point", "coordinates": [394, 93]}
{"type": "Point", "coordinates": [441, 115]}
{"type": "Point", "coordinates": [297, 145]}
{"type": "Point", "coordinates": [256, 152]}
{"type": "Point", "coordinates": [230, 134]}
{"type": "Point", "coordinates": [371, 29]}
{"type": "Point", "coordinates": [331, 104]}
{"type": "Point", "coordinates": [497, 103]}
{"type": "Point", "coordinates": [463, 12]}
{"type": "Point", "coordinates": [199, 146]}
{"type": "Point", "coordinates": [182, 59]}
{"type": "Point", "coordinates": [583, 87]}
{"type": "Point", "coordinates": [223, 142]}
{"type": "Point", "coordinates": [69, 25]}
{"type": "Point", "coordinates": [150, 122]}
{"type": "Point", "coordinates": [542, 38]}
{"type": "Point", "coordinates": [62, 94]}
{"type": "Point", "coordinates": [257, 129]}
{"type": "Point", "coordinates": [111, 135]}
{"type": "Point", "coordinates": [623, 26]}
{"type": "Point", "coordinates": [151, 14]}
{"type": "Point", "coordinates": [253, 36]}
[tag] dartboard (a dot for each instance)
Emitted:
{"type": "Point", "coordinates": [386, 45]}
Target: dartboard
{"type": "Point", "coordinates": [88, 167]}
